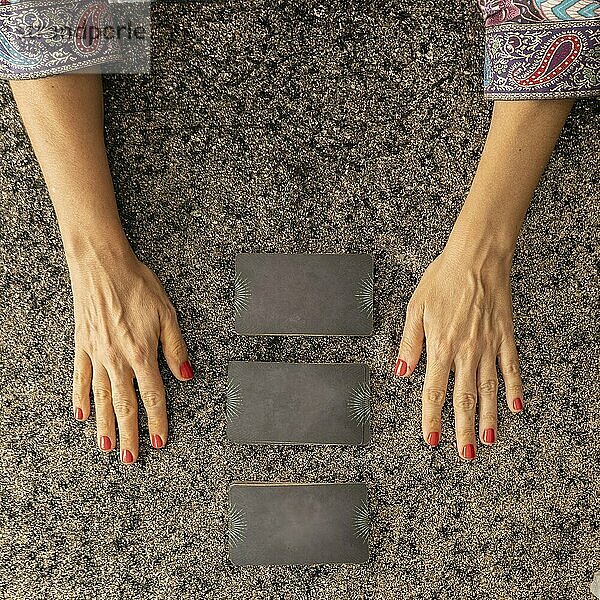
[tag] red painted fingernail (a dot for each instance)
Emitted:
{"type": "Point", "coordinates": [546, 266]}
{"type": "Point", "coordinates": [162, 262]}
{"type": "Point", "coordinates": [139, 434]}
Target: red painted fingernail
{"type": "Point", "coordinates": [186, 370]}
{"type": "Point", "coordinates": [105, 443]}
{"type": "Point", "coordinates": [469, 451]}
{"type": "Point", "coordinates": [126, 456]}
{"type": "Point", "coordinates": [433, 439]}
{"type": "Point", "coordinates": [157, 441]}
{"type": "Point", "coordinates": [78, 414]}
{"type": "Point", "coordinates": [400, 368]}
{"type": "Point", "coordinates": [489, 436]}
{"type": "Point", "coordinates": [517, 404]}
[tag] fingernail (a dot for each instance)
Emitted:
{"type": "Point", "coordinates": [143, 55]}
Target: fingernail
{"type": "Point", "coordinates": [186, 370]}
{"type": "Point", "coordinates": [469, 451]}
{"type": "Point", "coordinates": [157, 441]}
{"type": "Point", "coordinates": [78, 414]}
{"type": "Point", "coordinates": [400, 368]}
{"type": "Point", "coordinates": [105, 443]}
{"type": "Point", "coordinates": [433, 439]}
{"type": "Point", "coordinates": [489, 436]}
{"type": "Point", "coordinates": [517, 404]}
{"type": "Point", "coordinates": [126, 456]}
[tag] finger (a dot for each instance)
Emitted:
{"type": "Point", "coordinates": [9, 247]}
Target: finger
{"type": "Point", "coordinates": [105, 416]}
{"type": "Point", "coordinates": [508, 360]}
{"type": "Point", "coordinates": [465, 401]}
{"type": "Point", "coordinates": [487, 398]}
{"type": "Point", "coordinates": [411, 344]}
{"type": "Point", "coordinates": [173, 346]}
{"type": "Point", "coordinates": [152, 391]}
{"type": "Point", "coordinates": [82, 379]}
{"type": "Point", "coordinates": [434, 394]}
{"type": "Point", "coordinates": [124, 403]}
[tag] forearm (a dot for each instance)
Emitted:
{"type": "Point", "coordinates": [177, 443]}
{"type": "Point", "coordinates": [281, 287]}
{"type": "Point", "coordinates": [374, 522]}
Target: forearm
{"type": "Point", "coordinates": [520, 141]}
{"type": "Point", "coordinates": [63, 116]}
{"type": "Point", "coordinates": [121, 310]}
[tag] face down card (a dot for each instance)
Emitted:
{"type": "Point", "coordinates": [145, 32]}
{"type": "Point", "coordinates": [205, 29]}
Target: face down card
{"type": "Point", "coordinates": [298, 403]}
{"type": "Point", "coordinates": [298, 524]}
{"type": "Point", "coordinates": [304, 294]}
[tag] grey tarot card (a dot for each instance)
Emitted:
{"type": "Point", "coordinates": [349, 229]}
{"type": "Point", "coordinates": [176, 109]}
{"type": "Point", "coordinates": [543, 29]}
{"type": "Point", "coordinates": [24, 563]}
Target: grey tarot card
{"type": "Point", "coordinates": [298, 524]}
{"type": "Point", "coordinates": [304, 294]}
{"type": "Point", "coordinates": [298, 403]}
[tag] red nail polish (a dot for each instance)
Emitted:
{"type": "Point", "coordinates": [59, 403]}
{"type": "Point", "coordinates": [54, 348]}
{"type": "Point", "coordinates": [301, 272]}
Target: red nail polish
{"type": "Point", "coordinates": [489, 436]}
{"type": "Point", "coordinates": [469, 451]}
{"type": "Point", "coordinates": [157, 441]}
{"type": "Point", "coordinates": [433, 439]}
{"type": "Point", "coordinates": [186, 370]}
{"type": "Point", "coordinates": [105, 443]}
{"type": "Point", "coordinates": [126, 456]}
{"type": "Point", "coordinates": [400, 368]}
{"type": "Point", "coordinates": [517, 404]}
{"type": "Point", "coordinates": [79, 414]}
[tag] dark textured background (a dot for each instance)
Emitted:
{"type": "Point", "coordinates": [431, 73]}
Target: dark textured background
{"type": "Point", "coordinates": [302, 127]}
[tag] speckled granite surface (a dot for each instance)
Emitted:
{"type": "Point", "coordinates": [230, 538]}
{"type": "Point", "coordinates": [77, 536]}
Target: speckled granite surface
{"type": "Point", "coordinates": [338, 127]}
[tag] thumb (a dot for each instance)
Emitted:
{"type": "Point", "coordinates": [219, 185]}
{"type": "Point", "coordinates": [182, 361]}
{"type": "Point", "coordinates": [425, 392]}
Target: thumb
{"type": "Point", "coordinates": [174, 347]}
{"type": "Point", "coordinates": [411, 344]}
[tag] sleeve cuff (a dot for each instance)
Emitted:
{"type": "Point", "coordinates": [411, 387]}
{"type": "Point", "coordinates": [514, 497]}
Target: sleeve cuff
{"type": "Point", "coordinates": [526, 61]}
{"type": "Point", "coordinates": [49, 37]}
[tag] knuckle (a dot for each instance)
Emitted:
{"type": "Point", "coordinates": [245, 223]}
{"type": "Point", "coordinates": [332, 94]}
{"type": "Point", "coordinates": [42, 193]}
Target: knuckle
{"type": "Point", "coordinates": [111, 354]}
{"type": "Point", "coordinates": [465, 401]}
{"type": "Point", "coordinates": [80, 377]}
{"type": "Point", "coordinates": [488, 417]}
{"type": "Point", "coordinates": [412, 315]}
{"type": "Point", "coordinates": [464, 433]}
{"type": "Point", "coordinates": [511, 369]}
{"type": "Point", "coordinates": [177, 347]}
{"type": "Point", "coordinates": [470, 346]}
{"type": "Point", "coordinates": [411, 306]}
{"type": "Point", "coordinates": [488, 387]}
{"type": "Point", "coordinates": [103, 424]}
{"type": "Point", "coordinates": [123, 407]}
{"type": "Point", "coordinates": [170, 312]}
{"type": "Point", "coordinates": [434, 397]}
{"type": "Point", "coordinates": [431, 424]}
{"type": "Point", "coordinates": [514, 390]}
{"type": "Point", "coordinates": [79, 397]}
{"type": "Point", "coordinates": [406, 347]}
{"type": "Point", "coordinates": [441, 351]}
{"type": "Point", "coordinates": [84, 334]}
{"type": "Point", "coordinates": [101, 394]}
{"type": "Point", "coordinates": [140, 355]}
{"type": "Point", "coordinates": [152, 399]}
{"type": "Point", "coordinates": [155, 423]}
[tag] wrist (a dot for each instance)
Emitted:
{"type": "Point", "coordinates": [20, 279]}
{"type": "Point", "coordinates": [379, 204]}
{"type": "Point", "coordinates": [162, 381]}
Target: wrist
{"type": "Point", "coordinates": [84, 249]}
{"type": "Point", "coordinates": [480, 240]}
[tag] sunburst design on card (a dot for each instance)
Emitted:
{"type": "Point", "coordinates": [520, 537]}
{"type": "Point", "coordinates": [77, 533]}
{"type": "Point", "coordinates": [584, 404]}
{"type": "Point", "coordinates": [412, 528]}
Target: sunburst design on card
{"type": "Point", "coordinates": [365, 296]}
{"type": "Point", "coordinates": [237, 526]}
{"type": "Point", "coordinates": [233, 408]}
{"type": "Point", "coordinates": [359, 404]}
{"type": "Point", "coordinates": [242, 294]}
{"type": "Point", "coordinates": [361, 521]}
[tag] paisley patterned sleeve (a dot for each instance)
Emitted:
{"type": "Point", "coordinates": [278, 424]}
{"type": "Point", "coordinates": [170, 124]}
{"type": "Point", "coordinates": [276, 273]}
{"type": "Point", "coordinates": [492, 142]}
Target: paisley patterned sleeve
{"type": "Point", "coordinates": [48, 37]}
{"type": "Point", "coordinates": [541, 49]}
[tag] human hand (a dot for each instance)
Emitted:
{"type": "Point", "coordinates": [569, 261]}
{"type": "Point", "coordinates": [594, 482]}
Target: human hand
{"type": "Point", "coordinates": [121, 314]}
{"type": "Point", "coordinates": [462, 308]}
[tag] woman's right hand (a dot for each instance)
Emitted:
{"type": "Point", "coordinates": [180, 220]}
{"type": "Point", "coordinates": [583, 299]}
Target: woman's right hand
{"type": "Point", "coordinates": [121, 314]}
{"type": "Point", "coordinates": [462, 309]}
